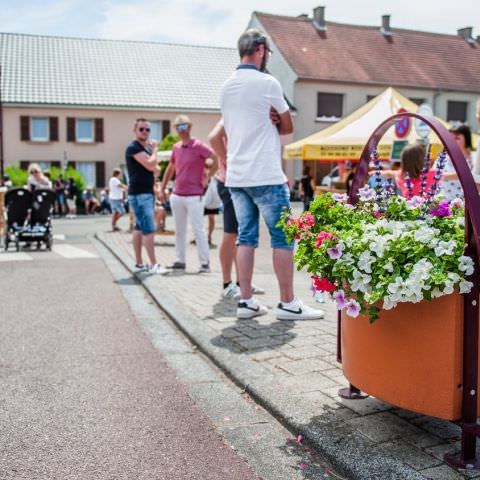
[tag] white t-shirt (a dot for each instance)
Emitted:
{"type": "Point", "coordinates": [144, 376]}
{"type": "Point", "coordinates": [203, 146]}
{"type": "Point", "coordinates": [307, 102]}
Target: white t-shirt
{"type": "Point", "coordinates": [114, 190]}
{"type": "Point", "coordinates": [253, 147]}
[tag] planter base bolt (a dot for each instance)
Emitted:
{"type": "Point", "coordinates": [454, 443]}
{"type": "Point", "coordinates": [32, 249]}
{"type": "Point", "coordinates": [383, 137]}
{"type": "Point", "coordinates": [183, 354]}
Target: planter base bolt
{"type": "Point", "coordinates": [474, 303]}
{"type": "Point", "coordinates": [472, 392]}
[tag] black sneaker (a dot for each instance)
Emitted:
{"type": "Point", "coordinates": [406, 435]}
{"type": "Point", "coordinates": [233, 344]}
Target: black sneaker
{"type": "Point", "coordinates": [177, 266]}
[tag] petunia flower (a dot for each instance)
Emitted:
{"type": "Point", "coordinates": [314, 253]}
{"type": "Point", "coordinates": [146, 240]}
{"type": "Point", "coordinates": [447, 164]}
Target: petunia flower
{"type": "Point", "coordinates": [322, 284]}
{"type": "Point", "coordinates": [321, 237]}
{"type": "Point", "coordinates": [353, 308]}
{"type": "Point", "coordinates": [366, 193]}
{"type": "Point", "coordinates": [340, 197]}
{"type": "Point", "coordinates": [335, 252]}
{"type": "Point", "coordinates": [339, 297]}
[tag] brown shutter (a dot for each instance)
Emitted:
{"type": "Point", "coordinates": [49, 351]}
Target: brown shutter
{"type": "Point", "coordinates": [71, 165]}
{"type": "Point", "coordinates": [165, 128]}
{"type": "Point", "coordinates": [70, 129]}
{"type": "Point", "coordinates": [24, 164]}
{"type": "Point", "coordinates": [100, 174]}
{"type": "Point", "coordinates": [99, 130]}
{"type": "Point", "coordinates": [53, 121]}
{"type": "Point", "coordinates": [24, 129]}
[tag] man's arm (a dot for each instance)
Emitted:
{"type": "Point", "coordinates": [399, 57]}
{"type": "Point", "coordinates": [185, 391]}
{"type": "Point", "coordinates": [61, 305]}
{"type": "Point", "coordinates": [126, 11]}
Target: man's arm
{"type": "Point", "coordinates": [214, 164]}
{"type": "Point", "coordinates": [168, 174]}
{"type": "Point", "coordinates": [150, 162]}
{"type": "Point", "coordinates": [285, 125]}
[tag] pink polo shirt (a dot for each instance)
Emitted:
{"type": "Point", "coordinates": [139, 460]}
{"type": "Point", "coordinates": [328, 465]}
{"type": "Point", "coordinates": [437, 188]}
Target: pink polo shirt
{"type": "Point", "coordinates": [189, 161]}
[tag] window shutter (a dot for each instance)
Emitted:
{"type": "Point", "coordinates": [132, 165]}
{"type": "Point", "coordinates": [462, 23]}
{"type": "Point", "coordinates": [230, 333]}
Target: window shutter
{"type": "Point", "coordinates": [24, 164]}
{"type": "Point", "coordinates": [100, 174]}
{"type": "Point", "coordinates": [24, 129]}
{"type": "Point", "coordinates": [165, 128]}
{"type": "Point", "coordinates": [71, 165]}
{"type": "Point", "coordinates": [70, 129]}
{"type": "Point", "coordinates": [99, 130]}
{"type": "Point", "coordinates": [53, 127]}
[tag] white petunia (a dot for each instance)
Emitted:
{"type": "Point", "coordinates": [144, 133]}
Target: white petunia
{"type": "Point", "coordinates": [365, 261]}
{"type": "Point", "coordinates": [465, 286]}
{"type": "Point", "coordinates": [465, 264]}
{"type": "Point", "coordinates": [445, 248]}
{"type": "Point", "coordinates": [360, 282]}
{"type": "Point", "coordinates": [388, 303]}
{"type": "Point", "coordinates": [424, 235]}
{"type": "Point", "coordinates": [388, 267]}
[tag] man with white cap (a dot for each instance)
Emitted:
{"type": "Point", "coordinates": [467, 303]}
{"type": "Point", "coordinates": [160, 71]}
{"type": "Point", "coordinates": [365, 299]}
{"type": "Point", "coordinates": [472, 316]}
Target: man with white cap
{"type": "Point", "coordinates": [188, 160]}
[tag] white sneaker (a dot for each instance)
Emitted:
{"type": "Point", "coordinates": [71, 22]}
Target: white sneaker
{"type": "Point", "coordinates": [232, 290]}
{"type": "Point", "coordinates": [257, 290]}
{"type": "Point", "coordinates": [250, 310]}
{"type": "Point", "coordinates": [297, 311]}
{"type": "Point", "coordinates": [139, 267]}
{"type": "Point", "coordinates": [157, 269]}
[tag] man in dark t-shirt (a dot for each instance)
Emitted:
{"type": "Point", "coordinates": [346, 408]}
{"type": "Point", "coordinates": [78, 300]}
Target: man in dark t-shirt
{"type": "Point", "coordinates": [142, 166]}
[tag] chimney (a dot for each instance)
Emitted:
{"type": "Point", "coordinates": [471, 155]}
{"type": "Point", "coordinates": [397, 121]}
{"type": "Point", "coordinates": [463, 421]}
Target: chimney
{"type": "Point", "coordinates": [465, 33]}
{"type": "Point", "coordinates": [319, 19]}
{"type": "Point", "coordinates": [385, 29]}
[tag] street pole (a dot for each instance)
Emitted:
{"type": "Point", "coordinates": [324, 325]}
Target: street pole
{"type": "Point", "coordinates": [1, 126]}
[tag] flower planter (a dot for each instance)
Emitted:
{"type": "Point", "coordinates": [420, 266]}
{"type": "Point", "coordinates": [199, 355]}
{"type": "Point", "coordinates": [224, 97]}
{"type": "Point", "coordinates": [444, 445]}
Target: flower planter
{"type": "Point", "coordinates": [411, 357]}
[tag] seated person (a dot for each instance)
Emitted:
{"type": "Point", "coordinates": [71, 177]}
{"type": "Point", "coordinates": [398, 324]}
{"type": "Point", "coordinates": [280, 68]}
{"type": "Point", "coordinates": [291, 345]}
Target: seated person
{"type": "Point", "coordinates": [90, 202]}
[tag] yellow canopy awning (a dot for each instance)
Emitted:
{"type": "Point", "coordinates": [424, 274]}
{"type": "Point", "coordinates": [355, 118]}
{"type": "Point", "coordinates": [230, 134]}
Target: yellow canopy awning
{"type": "Point", "coordinates": [346, 139]}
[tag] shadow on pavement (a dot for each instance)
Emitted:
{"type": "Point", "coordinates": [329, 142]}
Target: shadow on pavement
{"type": "Point", "coordinates": [250, 336]}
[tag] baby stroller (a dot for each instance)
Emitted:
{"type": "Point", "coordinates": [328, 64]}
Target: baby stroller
{"type": "Point", "coordinates": [29, 217]}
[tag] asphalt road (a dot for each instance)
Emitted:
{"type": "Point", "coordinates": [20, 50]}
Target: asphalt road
{"type": "Point", "coordinates": [83, 393]}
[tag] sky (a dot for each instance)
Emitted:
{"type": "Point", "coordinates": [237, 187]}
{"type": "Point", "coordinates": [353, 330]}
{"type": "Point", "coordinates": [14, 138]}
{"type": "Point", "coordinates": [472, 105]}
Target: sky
{"type": "Point", "coordinates": [215, 22]}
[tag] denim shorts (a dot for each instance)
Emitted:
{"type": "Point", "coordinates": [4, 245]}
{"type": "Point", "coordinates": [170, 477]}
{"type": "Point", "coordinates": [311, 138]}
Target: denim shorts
{"type": "Point", "coordinates": [117, 206]}
{"type": "Point", "coordinates": [143, 206]}
{"type": "Point", "coordinates": [269, 201]}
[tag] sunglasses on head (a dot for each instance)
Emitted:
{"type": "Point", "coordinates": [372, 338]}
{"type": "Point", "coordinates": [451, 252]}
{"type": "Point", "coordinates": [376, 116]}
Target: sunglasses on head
{"type": "Point", "coordinates": [143, 129]}
{"type": "Point", "coordinates": [182, 127]}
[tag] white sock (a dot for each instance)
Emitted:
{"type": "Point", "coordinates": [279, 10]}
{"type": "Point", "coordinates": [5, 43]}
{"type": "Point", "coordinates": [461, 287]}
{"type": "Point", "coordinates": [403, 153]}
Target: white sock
{"type": "Point", "coordinates": [248, 301]}
{"type": "Point", "coordinates": [290, 304]}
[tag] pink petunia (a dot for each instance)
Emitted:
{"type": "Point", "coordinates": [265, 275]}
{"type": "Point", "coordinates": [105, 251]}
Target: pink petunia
{"type": "Point", "coordinates": [321, 237]}
{"type": "Point", "coordinates": [322, 284]}
{"type": "Point", "coordinates": [302, 466]}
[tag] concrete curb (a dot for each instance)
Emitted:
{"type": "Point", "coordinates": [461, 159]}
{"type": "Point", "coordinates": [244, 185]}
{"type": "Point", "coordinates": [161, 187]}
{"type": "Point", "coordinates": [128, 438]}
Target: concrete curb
{"type": "Point", "coordinates": [349, 452]}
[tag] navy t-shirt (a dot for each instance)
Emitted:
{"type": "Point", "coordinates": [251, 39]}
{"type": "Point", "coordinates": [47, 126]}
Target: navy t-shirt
{"type": "Point", "coordinates": [140, 180]}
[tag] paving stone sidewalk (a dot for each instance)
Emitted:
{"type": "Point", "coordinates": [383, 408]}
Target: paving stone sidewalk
{"type": "Point", "coordinates": [291, 368]}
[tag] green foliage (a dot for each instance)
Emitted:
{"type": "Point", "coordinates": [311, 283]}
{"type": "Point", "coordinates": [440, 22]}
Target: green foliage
{"type": "Point", "coordinates": [17, 175]}
{"type": "Point", "coordinates": [168, 142]}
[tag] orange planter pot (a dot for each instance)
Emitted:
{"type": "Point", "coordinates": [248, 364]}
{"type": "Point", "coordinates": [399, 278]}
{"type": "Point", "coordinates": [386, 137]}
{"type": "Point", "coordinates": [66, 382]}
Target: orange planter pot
{"type": "Point", "coordinates": [410, 357]}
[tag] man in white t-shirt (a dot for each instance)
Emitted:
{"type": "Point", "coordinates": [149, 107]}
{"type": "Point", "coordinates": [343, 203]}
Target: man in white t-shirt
{"type": "Point", "coordinates": [115, 195]}
{"type": "Point", "coordinates": [254, 173]}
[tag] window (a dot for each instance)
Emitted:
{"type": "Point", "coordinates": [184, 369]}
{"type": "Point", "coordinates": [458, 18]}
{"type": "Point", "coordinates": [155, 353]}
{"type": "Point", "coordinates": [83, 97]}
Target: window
{"type": "Point", "coordinates": [456, 111]}
{"type": "Point", "coordinates": [88, 170]}
{"type": "Point", "coordinates": [329, 106]}
{"type": "Point", "coordinates": [84, 130]}
{"type": "Point", "coordinates": [417, 101]}
{"type": "Point", "coordinates": [39, 131]}
{"type": "Point", "coordinates": [155, 132]}
{"type": "Point", "coordinates": [371, 97]}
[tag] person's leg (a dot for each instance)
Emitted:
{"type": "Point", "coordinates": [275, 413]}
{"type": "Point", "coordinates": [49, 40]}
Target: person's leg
{"type": "Point", "coordinates": [195, 214]}
{"type": "Point", "coordinates": [180, 212]}
{"type": "Point", "coordinates": [228, 247]}
{"type": "Point", "coordinates": [247, 217]}
{"type": "Point", "coordinates": [272, 203]}
{"type": "Point", "coordinates": [227, 254]}
{"type": "Point", "coordinates": [283, 268]}
{"type": "Point", "coordinates": [148, 242]}
{"type": "Point", "coordinates": [211, 227]}
{"type": "Point", "coordinates": [137, 246]}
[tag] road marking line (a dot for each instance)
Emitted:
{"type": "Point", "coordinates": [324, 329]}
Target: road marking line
{"type": "Point", "coordinates": [59, 236]}
{"type": "Point", "coordinates": [69, 251]}
{"type": "Point", "coordinates": [14, 257]}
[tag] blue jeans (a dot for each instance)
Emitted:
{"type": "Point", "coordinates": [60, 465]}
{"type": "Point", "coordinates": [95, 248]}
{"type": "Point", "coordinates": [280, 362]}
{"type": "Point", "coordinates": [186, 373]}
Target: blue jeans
{"type": "Point", "coordinates": [143, 206]}
{"type": "Point", "coordinates": [268, 200]}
